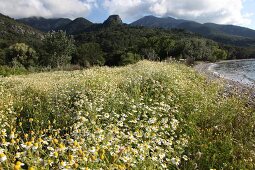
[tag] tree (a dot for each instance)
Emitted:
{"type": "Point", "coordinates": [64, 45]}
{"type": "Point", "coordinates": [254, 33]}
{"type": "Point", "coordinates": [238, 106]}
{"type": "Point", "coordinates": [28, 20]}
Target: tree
{"type": "Point", "coordinates": [21, 54]}
{"type": "Point", "coordinates": [150, 54]}
{"type": "Point", "coordinates": [129, 58]}
{"type": "Point", "coordinates": [59, 49]}
{"type": "Point", "coordinates": [167, 46]}
{"type": "Point", "coordinates": [220, 54]}
{"type": "Point", "coordinates": [197, 48]}
{"type": "Point", "coordinates": [90, 54]}
{"type": "Point", "coordinates": [2, 57]}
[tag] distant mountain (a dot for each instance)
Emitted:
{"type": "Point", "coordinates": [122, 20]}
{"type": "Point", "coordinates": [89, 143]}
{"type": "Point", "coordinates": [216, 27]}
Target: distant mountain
{"type": "Point", "coordinates": [76, 26]}
{"type": "Point", "coordinates": [82, 25]}
{"type": "Point", "coordinates": [12, 31]}
{"type": "Point", "coordinates": [113, 20]}
{"type": "Point", "coordinates": [44, 24]}
{"type": "Point", "coordinates": [228, 34]}
{"type": "Point", "coordinates": [233, 30]}
{"type": "Point", "coordinates": [155, 22]}
{"type": "Point", "coordinates": [71, 27]}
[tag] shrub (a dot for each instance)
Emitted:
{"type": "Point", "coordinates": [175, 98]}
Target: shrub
{"type": "Point", "coordinates": [7, 71]}
{"type": "Point", "coordinates": [90, 54]}
{"type": "Point", "coordinates": [21, 55]}
{"type": "Point", "coordinates": [129, 58]}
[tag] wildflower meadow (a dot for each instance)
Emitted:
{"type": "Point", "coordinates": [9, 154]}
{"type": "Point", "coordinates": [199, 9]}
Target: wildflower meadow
{"type": "Point", "coordinates": [148, 115]}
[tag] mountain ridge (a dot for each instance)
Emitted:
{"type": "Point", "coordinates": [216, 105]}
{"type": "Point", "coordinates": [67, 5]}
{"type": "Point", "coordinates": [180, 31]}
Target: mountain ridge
{"type": "Point", "coordinates": [76, 26]}
{"type": "Point", "coordinates": [230, 34]}
{"type": "Point", "coordinates": [225, 34]}
{"type": "Point", "coordinates": [44, 24]}
{"type": "Point", "coordinates": [12, 31]}
{"type": "Point", "coordinates": [169, 20]}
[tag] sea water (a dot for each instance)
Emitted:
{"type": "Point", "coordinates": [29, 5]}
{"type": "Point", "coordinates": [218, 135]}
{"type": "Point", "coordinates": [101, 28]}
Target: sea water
{"type": "Point", "coordinates": [242, 71]}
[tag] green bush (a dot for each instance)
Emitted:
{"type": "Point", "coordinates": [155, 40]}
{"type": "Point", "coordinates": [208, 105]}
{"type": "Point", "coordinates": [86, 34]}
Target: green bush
{"type": "Point", "coordinates": [90, 54]}
{"type": "Point", "coordinates": [7, 71]}
{"type": "Point", "coordinates": [129, 58]}
{"type": "Point", "coordinates": [21, 55]}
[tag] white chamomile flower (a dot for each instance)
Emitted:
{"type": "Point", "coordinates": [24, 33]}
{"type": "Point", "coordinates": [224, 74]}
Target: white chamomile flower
{"type": "Point", "coordinates": [2, 157]}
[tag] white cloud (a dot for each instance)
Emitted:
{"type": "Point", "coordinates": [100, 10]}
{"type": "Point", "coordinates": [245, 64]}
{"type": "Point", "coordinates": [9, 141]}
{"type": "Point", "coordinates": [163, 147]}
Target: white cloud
{"type": "Point", "coordinates": [46, 8]}
{"type": "Point", "coordinates": [217, 11]}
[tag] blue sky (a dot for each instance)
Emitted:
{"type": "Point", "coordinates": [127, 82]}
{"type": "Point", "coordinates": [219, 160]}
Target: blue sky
{"type": "Point", "coordinates": [237, 12]}
{"type": "Point", "coordinates": [249, 7]}
{"type": "Point", "coordinates": [99, 14]}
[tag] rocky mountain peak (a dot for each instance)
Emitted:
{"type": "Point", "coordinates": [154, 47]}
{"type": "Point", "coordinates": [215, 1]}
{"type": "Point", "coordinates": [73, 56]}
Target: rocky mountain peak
{"type": "Point", "coordinates": [113, 20]}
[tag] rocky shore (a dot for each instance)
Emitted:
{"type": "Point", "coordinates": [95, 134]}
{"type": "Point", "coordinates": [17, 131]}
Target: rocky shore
{"type": "Point", "coordinates": [231, 87]}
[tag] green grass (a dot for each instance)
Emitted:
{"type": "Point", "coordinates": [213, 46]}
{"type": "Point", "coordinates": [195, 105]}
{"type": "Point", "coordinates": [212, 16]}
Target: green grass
{"type": "Point", "coordinates": [148, 115]}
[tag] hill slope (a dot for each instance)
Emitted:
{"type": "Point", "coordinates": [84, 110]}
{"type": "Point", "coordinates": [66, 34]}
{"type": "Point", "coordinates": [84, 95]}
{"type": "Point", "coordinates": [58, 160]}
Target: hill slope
{"type": "Point", "coordinates": [12, 31]}
{"type": "Point", "coordinates": [116, 39]}
{"type": "Point", "coordinates": [229, 34]}
{"type": "Point", "coordinates": [76, 26]}
{"type": "Point", "coordinates": [155, 22]}
{"type": "Point", "coordinates": [44, 24]}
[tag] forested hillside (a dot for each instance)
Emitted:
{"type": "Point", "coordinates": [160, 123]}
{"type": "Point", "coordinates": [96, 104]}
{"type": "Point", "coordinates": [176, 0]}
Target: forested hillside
{"type": "Point", "coordinates": [12, 31]}
{"type": "Point", "coordinates": [44, 24]}
{"type": "Point", "coordinates": [227, 34]}
{"type": "Point", "coordinates": [122, 42]}
{"type": "Point", "coordinates": [111, 43]}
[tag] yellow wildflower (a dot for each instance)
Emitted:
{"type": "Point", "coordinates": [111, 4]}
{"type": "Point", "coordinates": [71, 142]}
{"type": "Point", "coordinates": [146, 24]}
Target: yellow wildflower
{"type": "Point", "coordinates": [31, 168]}
{"type": "Point", "coordinates": [30, 120]}
{"type": "Point", "coordinates": [18, 165]}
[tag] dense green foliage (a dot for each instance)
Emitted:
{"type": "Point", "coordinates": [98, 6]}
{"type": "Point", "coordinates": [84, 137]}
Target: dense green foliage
{"type": "Point", "coordinates": [121, 44]}
{"type": "Point", "coordinates": [13, 32]}
{"type": "Point", "coordinates": [153, 44]}
{"type": "Point", "coordinates": [21, 55]}
{"type": "Point", "coordinates": [59, 48]}
{"type": "Point", "coordinates": [144, 116]}
{"type": "Point", "coordinates": [227, 34]}
{"type": "Point", "coordinates": [45, 25]}
{"type": "Point", "coordinates": [129, 58]}
{"type": "Point", "coordinates": [89, 54]}
{"type": "Point", "coordinates": [2, 57]}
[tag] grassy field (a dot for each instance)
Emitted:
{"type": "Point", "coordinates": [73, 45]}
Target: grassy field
{"type": "Point", "coordinates": [144, 116]}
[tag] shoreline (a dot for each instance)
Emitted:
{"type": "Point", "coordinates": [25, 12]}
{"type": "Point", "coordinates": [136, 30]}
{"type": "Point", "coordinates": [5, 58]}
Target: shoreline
{"type": "Point", "coordinates": [208, 70]}
{"type": "Point", "coordinates": [231, 87]}
{"type": "Point", "coordinates": [236, 60]}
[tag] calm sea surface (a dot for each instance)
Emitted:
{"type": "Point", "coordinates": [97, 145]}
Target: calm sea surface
{"type": "Point", "coordinates": [242, 71]}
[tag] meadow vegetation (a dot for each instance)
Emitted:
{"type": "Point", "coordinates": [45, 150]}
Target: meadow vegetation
{"type": "Point", "coordinates": [148, 115]}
